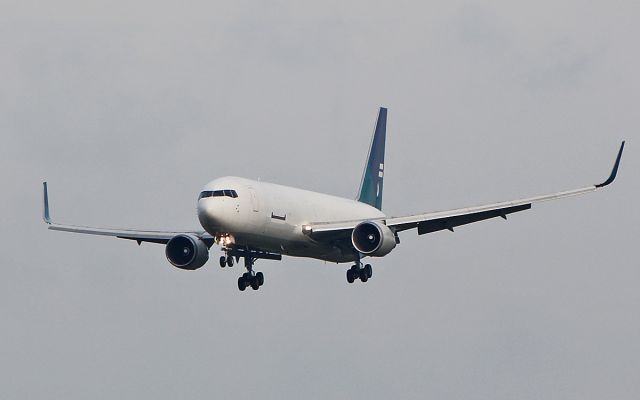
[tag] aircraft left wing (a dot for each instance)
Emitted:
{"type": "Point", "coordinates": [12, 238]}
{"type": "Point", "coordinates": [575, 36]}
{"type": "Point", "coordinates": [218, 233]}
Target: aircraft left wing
{"type": "Point", "coordinates": [441, 220]}
{"type": "Point", "coordinates": [437, 221]}
{"type": "Point", "coordinates": [131, 234]}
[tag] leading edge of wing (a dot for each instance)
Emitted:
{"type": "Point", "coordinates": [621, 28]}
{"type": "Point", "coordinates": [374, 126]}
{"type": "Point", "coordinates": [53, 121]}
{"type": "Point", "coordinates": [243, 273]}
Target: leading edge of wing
{"type": "Point", "coordinates": [132, 234]}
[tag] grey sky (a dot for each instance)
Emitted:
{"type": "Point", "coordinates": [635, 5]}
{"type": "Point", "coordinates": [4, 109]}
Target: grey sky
{"type": "Point", "coordinates": [128, 109]}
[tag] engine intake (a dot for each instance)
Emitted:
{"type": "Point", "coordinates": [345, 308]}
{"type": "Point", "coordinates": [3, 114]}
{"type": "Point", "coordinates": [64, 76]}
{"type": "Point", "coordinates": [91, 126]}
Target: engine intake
{"type": "Point", "coordinates": [187, 252]}
{"type": "Point", "coordinates": [373, 238]}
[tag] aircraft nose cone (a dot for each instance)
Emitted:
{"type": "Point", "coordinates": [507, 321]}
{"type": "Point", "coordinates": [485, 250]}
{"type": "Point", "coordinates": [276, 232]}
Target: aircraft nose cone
{"type": "Point", "coordinates": [208, 213]}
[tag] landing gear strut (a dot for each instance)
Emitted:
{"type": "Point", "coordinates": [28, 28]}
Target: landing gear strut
{"type": "Point", "coordinates": [250, 278]}
{"type": "Point", "coordinates": [359, 271]}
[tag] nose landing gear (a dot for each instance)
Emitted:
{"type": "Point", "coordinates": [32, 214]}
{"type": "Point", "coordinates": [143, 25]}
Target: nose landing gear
{"type": "Point", "coordinates": [226, 261]}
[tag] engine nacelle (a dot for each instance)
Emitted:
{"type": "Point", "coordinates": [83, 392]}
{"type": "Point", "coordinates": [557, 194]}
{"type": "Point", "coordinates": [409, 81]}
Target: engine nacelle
{"type": "Point", "coordinates": [187, 252]}
{"type": "Point", "coordinates": [373, 238]}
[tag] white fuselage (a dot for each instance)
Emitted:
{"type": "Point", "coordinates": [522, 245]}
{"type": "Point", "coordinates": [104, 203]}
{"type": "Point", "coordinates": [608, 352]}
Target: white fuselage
{"type": "Point", "coordinates": [271, 217]}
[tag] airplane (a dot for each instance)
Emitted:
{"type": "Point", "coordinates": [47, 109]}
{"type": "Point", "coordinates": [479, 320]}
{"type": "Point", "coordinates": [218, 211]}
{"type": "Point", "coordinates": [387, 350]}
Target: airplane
{"type": "Point", "coordinates": [254, 220]}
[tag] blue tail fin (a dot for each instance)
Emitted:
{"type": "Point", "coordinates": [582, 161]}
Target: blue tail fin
{"type": "Point", "coordinates": [373, 176]}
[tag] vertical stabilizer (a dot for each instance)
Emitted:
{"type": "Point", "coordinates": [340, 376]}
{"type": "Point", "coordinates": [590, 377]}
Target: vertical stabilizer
{"type": "Point", "coordinates": [373, 176]}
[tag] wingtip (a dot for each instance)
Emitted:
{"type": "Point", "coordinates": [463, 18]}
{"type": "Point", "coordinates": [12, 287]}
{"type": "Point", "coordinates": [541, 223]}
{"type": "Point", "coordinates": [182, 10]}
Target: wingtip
{"type": "Point", "coordinates": [45, 211]}
{"type": "Point", "coordinates": [614, 171]}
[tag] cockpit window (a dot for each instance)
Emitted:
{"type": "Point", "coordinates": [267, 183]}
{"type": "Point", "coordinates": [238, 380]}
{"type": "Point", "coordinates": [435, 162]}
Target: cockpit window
{"type": "Point", "coordinates": [231, 193]}
{"type": "Point", "coordinates": [218, 193]}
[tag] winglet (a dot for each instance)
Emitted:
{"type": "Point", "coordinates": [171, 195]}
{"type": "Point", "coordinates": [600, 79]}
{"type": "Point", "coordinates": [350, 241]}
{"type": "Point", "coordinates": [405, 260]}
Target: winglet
{"type": "Point", "coordinates": [614, 171]}
{"type": "Point", "coordinates": [45, 213]}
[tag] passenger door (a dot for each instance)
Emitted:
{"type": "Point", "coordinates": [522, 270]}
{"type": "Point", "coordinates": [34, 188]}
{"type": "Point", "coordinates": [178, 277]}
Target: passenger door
{"type": "Point", "coordinates": [253, 198]}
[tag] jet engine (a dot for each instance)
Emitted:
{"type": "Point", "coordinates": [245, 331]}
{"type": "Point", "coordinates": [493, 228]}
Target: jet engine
{"type": "Point", "coordinates": [373, 238]}
{"type": "Point", "coordinates": [187, 252]}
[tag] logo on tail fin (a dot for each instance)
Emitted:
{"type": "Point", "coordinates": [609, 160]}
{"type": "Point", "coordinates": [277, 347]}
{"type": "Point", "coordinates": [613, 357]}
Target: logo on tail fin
{"type": "Point", "coordinates": [373, 176]}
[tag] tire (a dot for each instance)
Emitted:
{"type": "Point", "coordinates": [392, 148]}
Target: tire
{"type": "Point", "coordinates": [350, 276]}
{"type": "Point", "coordinates": [229, 261]}
{"type": "Point", "coordinates": [254, 284]}
{"type": "Point", "coordinates": [363, 275]}
{"type": "Point", "coordinates": [242, 284]}
{"type": "Point", "coordinates": [223, 261]}
{"type": "Point", "coordinates": [368, 270]}
{"type": "Point", "coordinates": [260, 278]}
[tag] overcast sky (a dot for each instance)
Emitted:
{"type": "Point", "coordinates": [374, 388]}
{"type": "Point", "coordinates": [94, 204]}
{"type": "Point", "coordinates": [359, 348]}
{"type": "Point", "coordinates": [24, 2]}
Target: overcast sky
{"type": "Point", "coordinates": [128, 108]}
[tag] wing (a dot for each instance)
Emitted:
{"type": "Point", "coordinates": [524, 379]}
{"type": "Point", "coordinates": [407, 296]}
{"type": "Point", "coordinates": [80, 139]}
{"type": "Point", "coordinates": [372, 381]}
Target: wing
{"type": "Point", "coordinates": [440, 220]}
{"type": "Point", "coordinates": [131, 234]}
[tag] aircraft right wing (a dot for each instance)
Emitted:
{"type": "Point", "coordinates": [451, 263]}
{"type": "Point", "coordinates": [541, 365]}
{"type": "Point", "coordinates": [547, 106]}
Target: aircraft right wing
{"type": "Point", "coordinates": [138, 235]}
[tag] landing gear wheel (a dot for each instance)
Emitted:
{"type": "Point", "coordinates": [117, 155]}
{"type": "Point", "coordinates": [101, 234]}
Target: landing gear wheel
{"type": "Point", "coordinates": [260, 278]}
{"type": "Point", "coordinates": [368, 270]}
{"type": "Point", "coordinates": [350, 276]}
{"type": "Point", "coordinates": [242, 283]}
{"type": "Point", "coordinates": [223, 261]}
{"type": "Point", "coordinates": [254, 283]}
{"type": "Point", "coordinates": [229, 261]}
{"type": "Point", "coordinates": [363, 275]}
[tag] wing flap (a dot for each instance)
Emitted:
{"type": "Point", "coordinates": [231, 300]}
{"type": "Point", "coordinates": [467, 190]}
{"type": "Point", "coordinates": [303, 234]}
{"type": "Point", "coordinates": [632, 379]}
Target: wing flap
{"type": "Point", "coordinates": [435, 225]}
{"type": "Point", "coordinates": [156, 236]}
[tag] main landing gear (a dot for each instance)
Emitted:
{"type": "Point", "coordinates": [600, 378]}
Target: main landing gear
{"type": "Point", "coordinates": [250, 278]}
{"type": "Point", "coordinates": [359, 271]}
{"type": "Point", "coordinates": [233, 254]}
